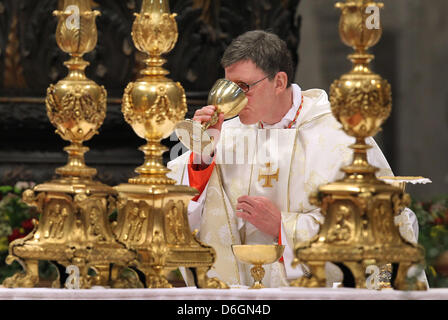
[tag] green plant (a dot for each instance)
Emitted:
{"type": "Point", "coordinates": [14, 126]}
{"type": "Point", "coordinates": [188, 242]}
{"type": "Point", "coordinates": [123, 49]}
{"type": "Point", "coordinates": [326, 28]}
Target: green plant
{"type": "Point", "coordinates": [433, 236]}
{"type": "Point", "coordinates": [15, 222]}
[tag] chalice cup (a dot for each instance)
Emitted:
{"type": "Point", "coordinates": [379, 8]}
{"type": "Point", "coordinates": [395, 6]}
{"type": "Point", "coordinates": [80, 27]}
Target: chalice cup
{"type": "Point", "coordinates": [258, 255]}
{"type": "Point", "coordinates": [229, 99]}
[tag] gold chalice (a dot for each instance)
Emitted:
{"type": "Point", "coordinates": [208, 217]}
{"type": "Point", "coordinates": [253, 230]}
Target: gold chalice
{"type": "Point", "coordinates": [258, 255]}
{"type": "Point", "coordinates": [229, 99]}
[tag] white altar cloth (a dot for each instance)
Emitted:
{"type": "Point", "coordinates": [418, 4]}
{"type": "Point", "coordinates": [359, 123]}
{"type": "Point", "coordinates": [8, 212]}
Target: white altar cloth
{"type": "Point", "coordinates": [192, 293]}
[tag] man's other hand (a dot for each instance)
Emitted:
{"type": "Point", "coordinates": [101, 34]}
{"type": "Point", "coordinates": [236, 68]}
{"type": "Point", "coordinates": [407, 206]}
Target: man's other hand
{"type": "Point", "coordinates": [261, 212]}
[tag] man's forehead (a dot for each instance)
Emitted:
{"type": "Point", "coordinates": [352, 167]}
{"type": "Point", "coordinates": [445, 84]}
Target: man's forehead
{"type": "Point", "coordinates": [241, 70]}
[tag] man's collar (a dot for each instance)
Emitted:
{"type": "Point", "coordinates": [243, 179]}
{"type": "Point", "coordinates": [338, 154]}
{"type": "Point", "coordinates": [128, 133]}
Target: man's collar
{"type": "Point", "coordinates": [289, 116]}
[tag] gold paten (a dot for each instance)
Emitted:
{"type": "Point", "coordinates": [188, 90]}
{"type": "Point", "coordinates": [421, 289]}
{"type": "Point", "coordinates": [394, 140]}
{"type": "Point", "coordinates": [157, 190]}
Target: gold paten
{"type": "Point", "coordinates": [359, 228]}
{"type": "Point", "coordinates": [258, 255]}
{"type": "Point", "coordinates": [152, 211]}
{"type": "Point", "coordinates": [74, 224]}
{"type": "Point", "coordinates": [229, 99]}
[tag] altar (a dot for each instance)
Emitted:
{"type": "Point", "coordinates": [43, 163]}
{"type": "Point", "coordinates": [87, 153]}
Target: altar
{"type": "Point", "coordinates": [193, 293]}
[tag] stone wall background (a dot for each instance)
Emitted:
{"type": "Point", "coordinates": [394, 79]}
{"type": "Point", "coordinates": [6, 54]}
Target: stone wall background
{"type": "Point", "coordinates": [412, 55]}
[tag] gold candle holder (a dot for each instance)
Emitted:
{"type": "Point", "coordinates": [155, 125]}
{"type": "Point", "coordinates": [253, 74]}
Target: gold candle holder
{"type": "Point", "coordinates": [152, 211]}
{"type": "Point", "coordinates": [74, 227]}
{"type": "Point", "coordinates": [359, 228]}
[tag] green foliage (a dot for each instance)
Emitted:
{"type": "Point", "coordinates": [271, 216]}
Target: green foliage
{"type": "Point", "coordinates": [433, 235]}
{"type": "Point", "coordinates": [15, 222]}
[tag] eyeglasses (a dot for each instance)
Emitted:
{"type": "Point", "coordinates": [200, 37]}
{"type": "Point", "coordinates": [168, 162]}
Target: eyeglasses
{"type": "Point", "coordinates": [246, 87]}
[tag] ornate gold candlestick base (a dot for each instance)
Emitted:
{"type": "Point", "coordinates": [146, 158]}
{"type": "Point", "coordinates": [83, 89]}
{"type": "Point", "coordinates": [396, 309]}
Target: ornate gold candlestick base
{"type": "Point", "coordinates": [359, 231]}
{"type": "Point", "coordinates": [153, 221]}
{"type": "Point", "coordinates": [73, 230]}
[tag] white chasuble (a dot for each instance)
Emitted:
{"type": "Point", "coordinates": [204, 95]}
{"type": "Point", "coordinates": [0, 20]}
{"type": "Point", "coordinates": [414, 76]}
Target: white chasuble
{"type": "Point", "coordinates": [283, 165]}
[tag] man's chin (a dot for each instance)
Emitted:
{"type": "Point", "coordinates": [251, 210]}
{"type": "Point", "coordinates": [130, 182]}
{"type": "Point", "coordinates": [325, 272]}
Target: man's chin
{"type": "Point", "coordinates": [247, 121]}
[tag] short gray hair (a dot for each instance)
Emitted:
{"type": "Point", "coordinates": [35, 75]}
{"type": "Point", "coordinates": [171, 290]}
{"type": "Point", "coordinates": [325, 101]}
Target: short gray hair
{"type": "Point", "coordinates": [265, 49]}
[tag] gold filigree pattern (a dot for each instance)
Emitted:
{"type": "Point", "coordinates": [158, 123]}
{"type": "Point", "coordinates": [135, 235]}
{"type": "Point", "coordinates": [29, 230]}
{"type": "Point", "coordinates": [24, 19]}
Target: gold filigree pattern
{"type": "Point", "coordinates": [77, 40]}
{"type": "Point", "coordinates": [69, 112]}
{"type": "Point", "coordinates": [127, 106]}
{"type": "Point", "coordinates": [160, 110]}
{"type": "Point", "coordinates": [362, 108]}
{"type": "Point", "coordinates": [362, 99]}
{"type": "Point", "coordinates": [154, 34]}
{"type": "Point", "coordinates": [158, 250]}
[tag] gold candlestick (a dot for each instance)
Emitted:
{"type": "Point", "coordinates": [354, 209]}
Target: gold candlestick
{"type": "Point", "coordinates": [359, 228]}
{"type": "Point", "coordinates": [152, 211]}
{"type": "Point", "coordinates": [74, 227]}
{"type": "Point", "coordinates": [76, 106]}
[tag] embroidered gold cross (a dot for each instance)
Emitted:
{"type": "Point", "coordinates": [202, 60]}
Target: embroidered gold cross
{"type": "Point", "coordinates": [268, 176]}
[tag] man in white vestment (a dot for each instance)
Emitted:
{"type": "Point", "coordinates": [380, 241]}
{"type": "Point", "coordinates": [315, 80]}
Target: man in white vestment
{"type": "Point", "coordinates": [254, 188]}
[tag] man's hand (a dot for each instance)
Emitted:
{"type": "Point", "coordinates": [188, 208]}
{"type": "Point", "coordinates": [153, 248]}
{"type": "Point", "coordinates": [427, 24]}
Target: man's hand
{"type": "Point", "coordinates": [261, 212]}
{"type": "Point", "coordinates": [204, 115]}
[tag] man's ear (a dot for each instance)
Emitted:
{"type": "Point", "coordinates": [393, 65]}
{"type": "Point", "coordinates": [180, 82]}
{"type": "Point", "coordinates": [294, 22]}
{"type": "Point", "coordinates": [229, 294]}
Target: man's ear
{"type": "Point", "coordinates": [281, 82]}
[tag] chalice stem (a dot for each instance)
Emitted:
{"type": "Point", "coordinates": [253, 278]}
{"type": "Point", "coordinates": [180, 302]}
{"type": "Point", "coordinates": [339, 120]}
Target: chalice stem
{"type": "Point", "coordinates": [213, 120]}
{"type": "Point", "coordinates": [257, 273]}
